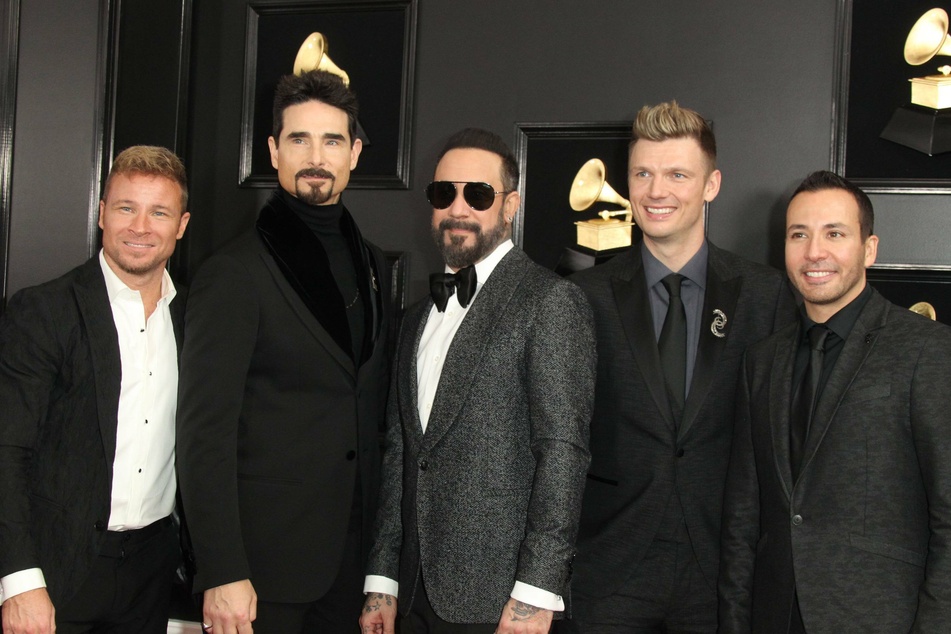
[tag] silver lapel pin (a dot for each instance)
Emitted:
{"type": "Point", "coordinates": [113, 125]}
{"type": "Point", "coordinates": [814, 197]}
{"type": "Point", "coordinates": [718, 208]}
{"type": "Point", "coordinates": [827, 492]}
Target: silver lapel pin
{"type": "Point", "coordinates": [719, 323]}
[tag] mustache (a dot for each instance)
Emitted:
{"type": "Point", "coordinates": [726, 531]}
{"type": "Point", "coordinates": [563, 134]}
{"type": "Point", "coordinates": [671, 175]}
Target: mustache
{"type": "Point", "coordinates": [454, 223]}
{"type": "Point", "coordinates": [314, 172]}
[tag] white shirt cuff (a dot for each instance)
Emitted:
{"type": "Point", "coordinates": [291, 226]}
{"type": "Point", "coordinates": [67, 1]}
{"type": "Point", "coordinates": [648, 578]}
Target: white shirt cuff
{"type": "Point", "coordinates": [537, 597]}
{"type": "Point", "coordinates": [20, 582]}
{"type": "Point", "coordinates": [376, 583]}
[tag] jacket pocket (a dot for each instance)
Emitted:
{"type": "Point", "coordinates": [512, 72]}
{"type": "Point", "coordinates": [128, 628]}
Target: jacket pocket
{"type": "Point", "coordinates": [888, 550]}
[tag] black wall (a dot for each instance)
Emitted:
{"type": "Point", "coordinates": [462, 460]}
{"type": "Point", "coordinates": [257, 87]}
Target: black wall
{"type": "Point", "coordinates": [762, 71]}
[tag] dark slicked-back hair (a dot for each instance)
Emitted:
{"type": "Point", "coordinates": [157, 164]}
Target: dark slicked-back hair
{"type": "Point", "coordinates": [824, 179]}
{"type": "Point", "coordinates": [314, 85]}
{"type": "Point", "coordinates": [149, 160]}
{"type": "Point", "coordinates": [479, 139]}
{"type": "Point", "coordinates": [669, 120]}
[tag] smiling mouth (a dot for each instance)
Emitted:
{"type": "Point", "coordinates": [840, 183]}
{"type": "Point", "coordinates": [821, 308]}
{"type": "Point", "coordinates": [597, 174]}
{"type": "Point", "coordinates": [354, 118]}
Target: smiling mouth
{"type": "Point", "coordinates": [659, 211]}
{"type": "Point", "coordinates": [818, 275]}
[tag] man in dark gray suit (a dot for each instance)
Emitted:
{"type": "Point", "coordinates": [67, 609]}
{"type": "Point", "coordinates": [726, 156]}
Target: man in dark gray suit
{"type": "Point", "coordinates": [88, 387]}
{"type": "Point", "coordinates": [487, 439]}
{"type": "Point", "coordinates": [667, 370]}
{"type": "Point", "coordinates": [837, 515]}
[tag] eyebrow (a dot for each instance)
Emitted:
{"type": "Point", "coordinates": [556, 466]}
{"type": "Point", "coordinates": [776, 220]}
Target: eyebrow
{"type": "Point", "coordinates": [830, 225]}
{"type": "Point", "coordinates": [326, 135]}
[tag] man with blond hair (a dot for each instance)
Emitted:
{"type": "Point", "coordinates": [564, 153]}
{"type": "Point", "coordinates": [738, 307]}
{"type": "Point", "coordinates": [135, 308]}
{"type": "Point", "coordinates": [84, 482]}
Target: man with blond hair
{"type": "Point", "coordinates": [674, 315]}
{"type": "Point", "coordinates": [88, 389]}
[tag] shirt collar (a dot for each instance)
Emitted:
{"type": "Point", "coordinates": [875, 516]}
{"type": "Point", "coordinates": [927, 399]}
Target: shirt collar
{"type": "Point", "coordinates": [843, 321]}
{"type": "Point", "coordinates": [485, 267]}
{"type": "Point", "coordinates": [694, 270]}
{"type": "Point", "coordinates": [116, 287]}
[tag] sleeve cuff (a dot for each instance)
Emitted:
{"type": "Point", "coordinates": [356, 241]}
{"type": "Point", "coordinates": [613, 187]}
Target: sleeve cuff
{"type": "Point", "coordinates": [376, 583]}
{"type": "Point", "coordinates": [537, 597]}
{"type": "Point", "coordinates": [20, 582]}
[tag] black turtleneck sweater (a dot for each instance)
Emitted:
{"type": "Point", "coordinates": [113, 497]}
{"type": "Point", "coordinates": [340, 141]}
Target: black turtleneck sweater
{"type": "Point", "coordinates": [324, 222]}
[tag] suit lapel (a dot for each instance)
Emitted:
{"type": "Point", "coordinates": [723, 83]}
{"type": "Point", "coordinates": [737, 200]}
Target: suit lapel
{"type": "Point", "coordinates": [633, 305]}
{"type": "Point", "coordinates": [721, 293]}
{"type": "Point", "coordinates": [306, 317]}
{"type": "Point", "coordinates": [780, 395]}
{"type": "Point", "coordinates": [854, 353]}
{"type": "Point", "coordinates": [464, 357]}
{"type": "Point", "coordinates": [93, 302]}
{"type": "Point", "coordinates": [414, 324]}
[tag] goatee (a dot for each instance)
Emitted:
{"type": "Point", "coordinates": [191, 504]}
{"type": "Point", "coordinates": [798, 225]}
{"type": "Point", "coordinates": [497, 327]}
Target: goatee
{"type": "Point", "coordinates": [313, 194]}
{"type": "Point", "coordinates": [455, 253]}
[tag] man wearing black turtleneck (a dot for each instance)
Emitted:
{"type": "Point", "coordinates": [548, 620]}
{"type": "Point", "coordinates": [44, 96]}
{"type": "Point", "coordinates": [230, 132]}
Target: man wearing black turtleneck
{"type": "Point", "coordinates": [283, 386]}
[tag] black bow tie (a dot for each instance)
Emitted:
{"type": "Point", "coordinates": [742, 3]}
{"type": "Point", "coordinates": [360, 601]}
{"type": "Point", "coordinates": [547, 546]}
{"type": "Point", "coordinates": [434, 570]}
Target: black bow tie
{"type": "Point", "coordinates": [443, 285]}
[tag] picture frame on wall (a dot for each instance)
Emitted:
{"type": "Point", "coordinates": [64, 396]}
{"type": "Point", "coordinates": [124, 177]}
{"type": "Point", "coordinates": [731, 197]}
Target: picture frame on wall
{"type": "Point", "coordinates": [908, 285]}
{"type": "Point", "coordinates": [549, 156]}
{"type": "Point", "coordinates": [381, 75]}
{"type": "Point", "coordinates": [872, 79]}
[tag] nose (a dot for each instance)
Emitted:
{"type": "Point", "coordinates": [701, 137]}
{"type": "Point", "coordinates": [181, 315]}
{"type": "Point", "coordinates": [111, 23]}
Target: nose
{"type": "Point", "coordinates": [815, 249]}
{"type": "Point", "coordinates": [655, 188]}
{"type": "Point", "coordinates": [459, 208]}
{"type": "Point", "coordinates": [139, 224]}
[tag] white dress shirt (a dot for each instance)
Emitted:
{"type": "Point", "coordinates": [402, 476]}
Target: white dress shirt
{"type": "Point", "coordinates": [434, 343]}
{"type": "Point", "coordinates": [143, 481]}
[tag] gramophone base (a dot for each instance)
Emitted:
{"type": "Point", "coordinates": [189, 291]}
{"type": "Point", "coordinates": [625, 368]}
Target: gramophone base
{"type": "Point", "coordinates": [924, 129]}
{"type": "Point", "coordinates": [578, 258]}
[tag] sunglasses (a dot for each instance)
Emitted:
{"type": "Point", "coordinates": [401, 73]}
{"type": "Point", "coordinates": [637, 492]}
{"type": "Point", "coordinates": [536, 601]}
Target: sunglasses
{"type": "Point", "coordinates": [479, 196]}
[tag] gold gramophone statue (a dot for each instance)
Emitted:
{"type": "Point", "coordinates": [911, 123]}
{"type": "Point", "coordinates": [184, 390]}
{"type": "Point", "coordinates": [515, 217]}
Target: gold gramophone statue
{"type": "Point", "coordinates": [312, 55]}
{"type": "Point", "coordinates": [925, 124]}
{"type": "Point", "coordinates": [606, 231]}
{"type": "Point", "coordinates": [926, 309]}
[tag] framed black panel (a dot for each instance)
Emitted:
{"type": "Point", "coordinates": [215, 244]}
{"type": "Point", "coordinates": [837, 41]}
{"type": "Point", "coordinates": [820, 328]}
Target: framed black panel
{"type": "Point", "coordinates": [374, 41]}
{"type": "Point", "coordinates": [10, 24]}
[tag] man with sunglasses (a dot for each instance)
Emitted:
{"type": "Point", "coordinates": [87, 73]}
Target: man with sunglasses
{"type": "Point", "coordinates": [674, 316]}
{"type": "Point", "coordinates": [487, 423]}
{"type": "Point", "coordinates": [283, 388]}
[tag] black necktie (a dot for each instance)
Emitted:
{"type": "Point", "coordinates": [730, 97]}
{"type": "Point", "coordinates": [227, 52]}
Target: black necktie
{"type": "Point", "coordinates": [673, 345]}
{"type": "Point", "coordinates": [804, 403]}
{"type": "Point", "coordinates": [443, 285]}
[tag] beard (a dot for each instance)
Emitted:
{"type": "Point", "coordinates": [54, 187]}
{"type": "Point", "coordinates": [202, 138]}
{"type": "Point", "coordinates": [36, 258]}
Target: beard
{"type": "Point", "coordinates": [455, 253]}
{"type": "Point", "coordinates": [313, 195]}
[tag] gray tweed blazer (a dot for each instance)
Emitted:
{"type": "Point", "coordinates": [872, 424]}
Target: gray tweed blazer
{"type": "Point", "coordinates": [491, 493]}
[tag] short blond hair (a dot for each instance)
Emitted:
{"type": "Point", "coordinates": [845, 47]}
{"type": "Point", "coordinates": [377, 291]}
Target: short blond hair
{"type": "Point", "coordinates": [670, 121]}
{"type": "Point", "coordinates": [150, 160]}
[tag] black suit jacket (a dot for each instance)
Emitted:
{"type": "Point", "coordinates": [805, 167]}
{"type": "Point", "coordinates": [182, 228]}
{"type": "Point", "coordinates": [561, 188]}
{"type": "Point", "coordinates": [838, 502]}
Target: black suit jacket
{"type": "Point", "coordinates": [639, 462]}
{"type": "Point", "coordinates": [59, 397]}
{"type": "Point", "coordinates": [864, 532]}
{"type": "Point", "coordinates": [276, 420]}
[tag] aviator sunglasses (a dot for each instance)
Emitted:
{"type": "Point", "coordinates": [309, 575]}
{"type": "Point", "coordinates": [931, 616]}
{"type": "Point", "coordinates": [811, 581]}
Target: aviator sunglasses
{"type": "Point", "coordinates": [479, 196]}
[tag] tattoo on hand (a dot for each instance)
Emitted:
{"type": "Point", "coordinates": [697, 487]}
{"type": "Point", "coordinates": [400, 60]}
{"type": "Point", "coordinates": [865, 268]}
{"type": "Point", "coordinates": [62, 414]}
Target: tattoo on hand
{"type": "Point", "coordinates": [373, 601]}
{"type": "Point", "coordinates": [523, 611]}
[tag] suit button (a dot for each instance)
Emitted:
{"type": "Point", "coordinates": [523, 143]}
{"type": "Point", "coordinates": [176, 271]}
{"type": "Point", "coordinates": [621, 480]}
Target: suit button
{"type": "Point", "coordinates": [423, 465]}
{"type": "Point", "coordinates": [797, 520]}
{"type": "Point", "coordinates": [100, 525]}
{"type": "Point", "coordinates": [680, 453]}
{"type": "Point", "coordinates": [351, 454]}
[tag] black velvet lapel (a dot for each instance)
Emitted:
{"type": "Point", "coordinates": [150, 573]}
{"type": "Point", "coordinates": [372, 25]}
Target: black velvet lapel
{"type": "Point", "coordinates": [303, 261]}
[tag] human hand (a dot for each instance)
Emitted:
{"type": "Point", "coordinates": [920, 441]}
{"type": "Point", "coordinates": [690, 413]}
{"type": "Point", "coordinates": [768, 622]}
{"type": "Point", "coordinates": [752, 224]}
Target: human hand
{"type": "Point", "coordinates": [230, 609]}
{"type": "Point", "coordinates": [521, 618]}
{"type": "Point", "coordinates": [379, 614]}
{"type": "Point", "coordinates": [30, 612]}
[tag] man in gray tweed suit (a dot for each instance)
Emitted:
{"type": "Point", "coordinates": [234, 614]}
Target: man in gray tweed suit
{"type": "Point", "coordinates": [488, 415]}
{"type": "Point", "coordinates": [837, 512]}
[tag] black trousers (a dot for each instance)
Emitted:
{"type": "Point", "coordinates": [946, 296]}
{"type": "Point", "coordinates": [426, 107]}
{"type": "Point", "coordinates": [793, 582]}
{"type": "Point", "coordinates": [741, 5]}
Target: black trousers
{"type": "Point", "coordinates": [129, 585]}
{"type": "Point", "coordinates": [666, 594]}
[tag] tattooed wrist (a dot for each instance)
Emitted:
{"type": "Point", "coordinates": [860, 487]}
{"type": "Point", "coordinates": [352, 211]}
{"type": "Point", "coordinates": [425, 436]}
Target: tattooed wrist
{"type": "Point", "coordinates": [522, 611]}
{"type": "Point", "coordinates": [376, 600]}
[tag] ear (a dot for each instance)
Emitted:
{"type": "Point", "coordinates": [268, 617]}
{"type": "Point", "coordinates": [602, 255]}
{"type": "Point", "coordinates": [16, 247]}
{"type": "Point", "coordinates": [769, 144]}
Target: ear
{"type": "Point", "coordinates": [182, 223]}
{"type": "Point", "coordinates": [871, 250]}
{"type": "Point", "coordinates": [510, 206]}
{"type": "Point", "coordinates": [102, 210]}
{"type": "Point", "coordinates": [712, 188]}
{"type": "Point", "coordinates": [272, 144]}
{"type": "Point", "coordinates": [355, 150]}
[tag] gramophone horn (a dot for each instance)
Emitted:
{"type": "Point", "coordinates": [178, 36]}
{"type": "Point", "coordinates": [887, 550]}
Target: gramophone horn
{"type": "Point", "coordinates": [929, 37]}
{"type": "Point", "coordinates": [313, 56]}
{"type": "Point", "coordinates": [590, 187]}
{"type": "Point", "coordinates": [926, 309]}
